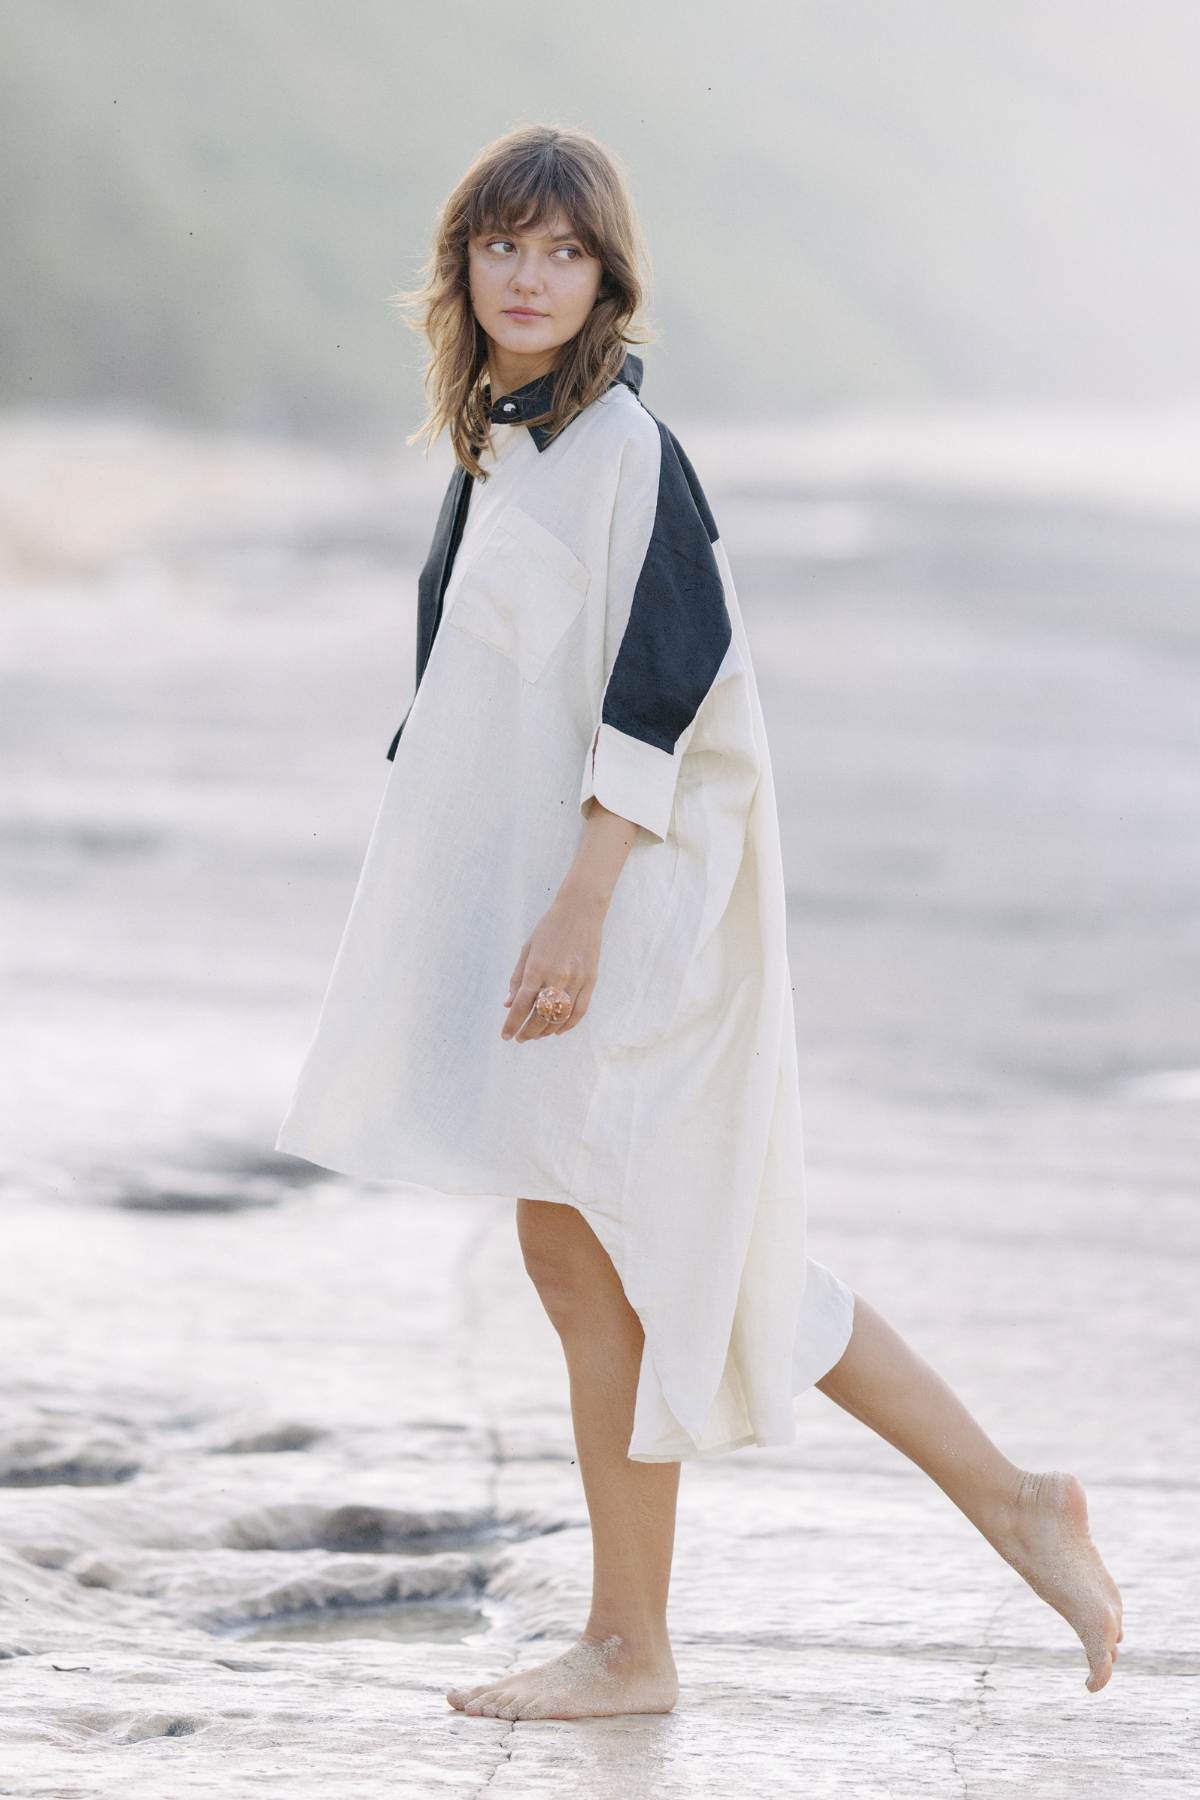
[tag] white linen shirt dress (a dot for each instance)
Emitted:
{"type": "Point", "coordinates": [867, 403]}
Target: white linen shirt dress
{"type": "Point", "coordinates": [579, 637]}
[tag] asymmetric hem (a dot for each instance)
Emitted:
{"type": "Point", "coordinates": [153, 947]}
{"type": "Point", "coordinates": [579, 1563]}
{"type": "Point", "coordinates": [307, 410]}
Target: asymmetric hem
{"type": "Point", "coordinates": [805, 1373]}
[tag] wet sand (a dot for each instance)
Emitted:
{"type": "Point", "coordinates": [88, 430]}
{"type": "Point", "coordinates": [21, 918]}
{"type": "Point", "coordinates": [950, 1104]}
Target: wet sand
{"type": "Point", "coordinates": [283, 1457]}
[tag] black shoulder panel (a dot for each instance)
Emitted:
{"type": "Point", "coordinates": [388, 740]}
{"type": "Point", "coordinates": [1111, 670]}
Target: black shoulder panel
{"type": "Point", "coordinates": [431, 583]}
{"type": "Point", "coordinates": [679, 627]}
{"type": "Point", "coordinates": [692, 479]}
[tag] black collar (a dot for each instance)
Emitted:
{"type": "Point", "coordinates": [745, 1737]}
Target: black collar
{"type": "Point", "coordinates": [535, 397]}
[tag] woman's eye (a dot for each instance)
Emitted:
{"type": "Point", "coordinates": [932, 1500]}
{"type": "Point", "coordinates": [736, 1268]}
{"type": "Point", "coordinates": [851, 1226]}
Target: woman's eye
{"type": "Point", "coordinates": [573, 252]}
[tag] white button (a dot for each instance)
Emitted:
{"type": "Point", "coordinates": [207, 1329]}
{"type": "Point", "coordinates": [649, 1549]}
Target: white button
{"type": "Point", "coordinates": [509, 406]}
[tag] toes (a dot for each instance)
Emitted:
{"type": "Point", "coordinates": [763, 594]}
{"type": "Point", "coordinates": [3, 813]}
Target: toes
{"type": "Point", "coordinates": [474, 1692]}
{"type": "Point", "coordinates": [458, 1697]}
{"type": "Point", "coordinates": [482, 1703]}
{"type": "Point", "coordinates": [1102, 1650]}
{"type": "Point", "coordinates": [1099, 1675]}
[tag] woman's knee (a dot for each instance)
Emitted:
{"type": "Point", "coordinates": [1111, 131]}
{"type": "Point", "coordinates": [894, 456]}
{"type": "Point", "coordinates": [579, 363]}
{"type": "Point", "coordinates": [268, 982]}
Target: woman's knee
{"type": "Point", "coordinates": [560, 1254]}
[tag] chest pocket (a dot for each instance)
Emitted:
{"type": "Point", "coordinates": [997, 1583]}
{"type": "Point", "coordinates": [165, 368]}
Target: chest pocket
{"type": "Point", "coordinates": [521, 592]}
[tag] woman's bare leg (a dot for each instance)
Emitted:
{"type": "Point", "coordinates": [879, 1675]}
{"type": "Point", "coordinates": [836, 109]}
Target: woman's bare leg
{"type": "Point", "coordinates": [1037, 1522]}
{"type": "Point", "coordinates": [622, 1661]}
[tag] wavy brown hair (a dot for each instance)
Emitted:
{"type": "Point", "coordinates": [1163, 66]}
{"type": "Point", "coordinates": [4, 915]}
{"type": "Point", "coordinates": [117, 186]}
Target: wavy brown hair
{"type": "Point", "coordinates": [516, 182]}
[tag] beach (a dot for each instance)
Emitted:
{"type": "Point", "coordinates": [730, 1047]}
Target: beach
{"type": "Point", "coordinates": [283, 1456]}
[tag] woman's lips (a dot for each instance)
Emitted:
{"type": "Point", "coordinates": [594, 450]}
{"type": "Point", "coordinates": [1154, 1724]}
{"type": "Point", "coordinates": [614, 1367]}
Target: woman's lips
{"type": "Point", "coordinates": [523, 312]}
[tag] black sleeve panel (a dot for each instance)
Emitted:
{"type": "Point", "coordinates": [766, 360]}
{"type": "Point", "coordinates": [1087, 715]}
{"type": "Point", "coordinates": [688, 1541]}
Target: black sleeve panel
{"type": "Point", "coordinates": [679, 627]}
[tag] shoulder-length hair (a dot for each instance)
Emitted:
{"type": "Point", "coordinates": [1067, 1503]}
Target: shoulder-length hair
{"type": "Point", "coordinates": [515, 183]}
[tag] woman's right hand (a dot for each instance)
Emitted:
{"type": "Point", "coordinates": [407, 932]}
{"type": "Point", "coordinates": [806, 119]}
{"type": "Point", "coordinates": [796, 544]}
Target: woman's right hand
{"type": "Point", "coordinates": [563, 949]}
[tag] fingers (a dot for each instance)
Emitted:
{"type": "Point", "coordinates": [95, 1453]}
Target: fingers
{"type": "Point", "coordinates": [514, 980]}
{"type": "Point", "coordinates": [522, 1022]}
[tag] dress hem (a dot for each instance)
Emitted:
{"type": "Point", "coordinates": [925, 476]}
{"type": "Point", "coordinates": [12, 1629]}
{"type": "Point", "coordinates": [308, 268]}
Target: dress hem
{"type": "Point", "coordinates": [692, 1451]}
{"type": "Point", "coordinates": [470, 1191]}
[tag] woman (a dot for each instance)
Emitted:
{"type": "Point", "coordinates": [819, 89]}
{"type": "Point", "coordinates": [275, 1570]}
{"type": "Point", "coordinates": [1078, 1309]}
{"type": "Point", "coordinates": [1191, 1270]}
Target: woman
{"type": "Point", "coordinates": [583, 780]}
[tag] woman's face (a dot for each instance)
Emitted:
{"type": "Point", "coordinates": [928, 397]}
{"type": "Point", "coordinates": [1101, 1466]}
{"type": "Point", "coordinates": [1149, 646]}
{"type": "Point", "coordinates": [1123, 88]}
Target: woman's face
{"type": "Point", "coordinates": [532, 291]}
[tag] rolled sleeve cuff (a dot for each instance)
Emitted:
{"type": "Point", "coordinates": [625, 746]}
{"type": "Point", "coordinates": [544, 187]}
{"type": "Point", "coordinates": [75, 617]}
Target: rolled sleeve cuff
{"type": "Point", "coordinates": [631, 778]}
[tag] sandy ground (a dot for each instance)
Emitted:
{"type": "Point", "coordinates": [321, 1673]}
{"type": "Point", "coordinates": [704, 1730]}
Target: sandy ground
{"type": "Point", "coordinates": [282, 1457]}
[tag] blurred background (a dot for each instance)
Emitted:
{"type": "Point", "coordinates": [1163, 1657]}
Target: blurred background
{"type": "Point", "coordinates": [926, 280]}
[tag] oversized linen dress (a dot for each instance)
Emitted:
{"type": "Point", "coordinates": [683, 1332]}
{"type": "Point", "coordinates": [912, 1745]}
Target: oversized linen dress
{"type": "Point", "coordinates": [580, 638]}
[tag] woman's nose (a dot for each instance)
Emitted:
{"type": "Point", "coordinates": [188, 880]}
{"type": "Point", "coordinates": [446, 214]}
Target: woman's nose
{"type": "Point", "coordinates": [527, 277]}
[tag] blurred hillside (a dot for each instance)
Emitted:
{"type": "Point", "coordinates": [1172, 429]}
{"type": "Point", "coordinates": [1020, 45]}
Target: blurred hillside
{"type": "Point", "coordinates": [206, 206]}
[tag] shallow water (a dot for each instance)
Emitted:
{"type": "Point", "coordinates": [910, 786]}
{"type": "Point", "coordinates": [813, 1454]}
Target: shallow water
{"type": "Point", "coordinates": [420, 1621]}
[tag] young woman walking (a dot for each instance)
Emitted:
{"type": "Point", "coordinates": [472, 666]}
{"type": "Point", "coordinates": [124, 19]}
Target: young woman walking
{"type": "Point", "coordinates": [564, 975]}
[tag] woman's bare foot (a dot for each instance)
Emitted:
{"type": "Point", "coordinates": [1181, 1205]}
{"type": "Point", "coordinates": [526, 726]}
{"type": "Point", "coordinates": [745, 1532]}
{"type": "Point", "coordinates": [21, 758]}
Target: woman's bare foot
{"type": "Point", "coordinates": [1044, 1535]}
{"type": "Point", "coordinates": [594, 1679]}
